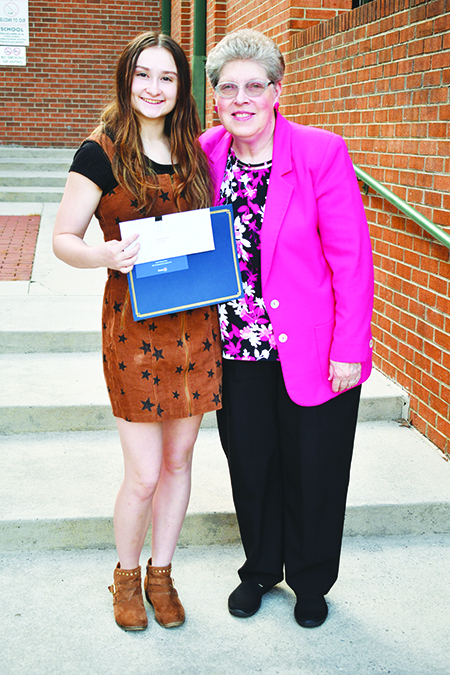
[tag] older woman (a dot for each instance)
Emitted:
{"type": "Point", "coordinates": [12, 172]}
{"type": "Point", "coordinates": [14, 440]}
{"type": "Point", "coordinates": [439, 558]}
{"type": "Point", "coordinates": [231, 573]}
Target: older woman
{"type": "Point", "coordinates": [297, 346]}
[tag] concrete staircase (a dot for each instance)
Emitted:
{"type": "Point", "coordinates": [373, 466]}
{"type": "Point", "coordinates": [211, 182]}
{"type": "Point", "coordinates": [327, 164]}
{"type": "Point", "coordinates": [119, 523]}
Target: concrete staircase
{"type": "Point", "coordinates": [60, 468]}
{"type": "Point", "coordinates": [61, 454]}
{"type": "Point", "coordinates": [54, 412]}
{"type": "Point", "coordinates": [33, 175]}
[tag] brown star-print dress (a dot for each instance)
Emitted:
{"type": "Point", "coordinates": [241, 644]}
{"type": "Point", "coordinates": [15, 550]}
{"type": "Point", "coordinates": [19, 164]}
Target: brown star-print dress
{"type": "Point", "coordinates": [163, 368]}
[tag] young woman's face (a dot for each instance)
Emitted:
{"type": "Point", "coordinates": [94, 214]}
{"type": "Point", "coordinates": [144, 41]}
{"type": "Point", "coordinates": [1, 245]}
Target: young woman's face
{"type": "Point", "coordinates": [154, 89]}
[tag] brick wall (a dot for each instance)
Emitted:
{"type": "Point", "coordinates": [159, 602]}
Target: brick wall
{"type": "Point", "coordinates": [56, 99]}
{"type": "Point", "coordinates": [379, 77]}
{"type": "Point", "coordinates": [280, 20]}
{"type": "Point", "coordinates": [182, 28]}
{"type": "Point", "coordinates": [216, 21]}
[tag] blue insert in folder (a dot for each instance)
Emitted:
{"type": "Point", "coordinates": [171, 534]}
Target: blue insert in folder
{"type": "Point", "coordinates": [150, 269]}
{"type": "Point", "coordinates": [210, 277]}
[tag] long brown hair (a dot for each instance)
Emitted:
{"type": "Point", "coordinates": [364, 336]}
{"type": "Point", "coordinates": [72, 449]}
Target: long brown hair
{"type": "Point", "coordinates": [182, 127]}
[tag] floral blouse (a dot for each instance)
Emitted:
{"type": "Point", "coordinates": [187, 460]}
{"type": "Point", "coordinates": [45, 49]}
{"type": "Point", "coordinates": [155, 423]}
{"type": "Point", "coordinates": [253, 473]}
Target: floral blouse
{"type": "Point", "coordinates": [245, 326]}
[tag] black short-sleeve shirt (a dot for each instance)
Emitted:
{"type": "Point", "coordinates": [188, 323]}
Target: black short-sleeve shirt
{"type": "Point", "coordinates": [91, 161]}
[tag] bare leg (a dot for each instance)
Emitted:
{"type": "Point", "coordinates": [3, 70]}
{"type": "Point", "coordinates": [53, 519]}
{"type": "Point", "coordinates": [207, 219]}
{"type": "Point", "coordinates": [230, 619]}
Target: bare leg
{"type": "Point", "coordinates": [142, 446]}
{"type": "Point", "coordinates": [156, 487]}
{"type": "Point", "coordinates": [174, 487]}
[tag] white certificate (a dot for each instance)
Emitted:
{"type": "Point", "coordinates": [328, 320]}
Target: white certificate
{"type": "Point", "coordinates": [171, 235]}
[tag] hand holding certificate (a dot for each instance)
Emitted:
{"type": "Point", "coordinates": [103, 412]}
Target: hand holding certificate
{"type": "Point", "coordinates": [186, 260]}
{"type": "Point", "coordinates": [172, 235]}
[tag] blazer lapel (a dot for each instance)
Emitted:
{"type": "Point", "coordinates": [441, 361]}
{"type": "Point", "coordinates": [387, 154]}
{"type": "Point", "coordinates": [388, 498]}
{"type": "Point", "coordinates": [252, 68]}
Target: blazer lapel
{"type": "Point", "coordinates": [278, 195]}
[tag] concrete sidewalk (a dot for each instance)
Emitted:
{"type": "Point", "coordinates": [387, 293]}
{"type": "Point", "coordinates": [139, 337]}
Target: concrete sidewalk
{"type": "Point", "coordinates": [388, 614]}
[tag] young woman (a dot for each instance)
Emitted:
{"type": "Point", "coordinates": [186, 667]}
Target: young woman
{"type": "Point", "coordinates": [162, 374]}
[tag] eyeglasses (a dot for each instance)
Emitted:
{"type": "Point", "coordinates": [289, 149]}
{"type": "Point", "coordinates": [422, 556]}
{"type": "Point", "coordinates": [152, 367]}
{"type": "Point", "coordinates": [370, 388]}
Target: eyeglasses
{"type": "Point", "coordinates": [253, 88]}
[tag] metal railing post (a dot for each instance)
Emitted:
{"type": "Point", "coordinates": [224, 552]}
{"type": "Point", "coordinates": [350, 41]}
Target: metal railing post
{"type": "Point", "coordinates": [166, 16]}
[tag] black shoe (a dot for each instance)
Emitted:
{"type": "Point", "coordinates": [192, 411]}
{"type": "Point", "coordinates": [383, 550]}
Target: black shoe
{"type": "Point", "coordinates": [310, 610]}
{"type": "Point", "coordinates": [245, 600]}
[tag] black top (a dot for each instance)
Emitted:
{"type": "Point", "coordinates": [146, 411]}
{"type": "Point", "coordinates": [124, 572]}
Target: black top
{"type": "Point", "coordinates": [91, 161]}
{"type": "Point", "coordinates": [247, 332]}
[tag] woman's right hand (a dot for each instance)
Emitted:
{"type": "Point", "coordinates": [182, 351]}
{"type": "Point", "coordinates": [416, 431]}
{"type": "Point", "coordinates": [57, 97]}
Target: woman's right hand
{"type": "Point", "coordinates": [119, 255]}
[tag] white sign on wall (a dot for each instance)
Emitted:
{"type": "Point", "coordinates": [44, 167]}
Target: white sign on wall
{"type": "Point", "coordinates": [14, 24]}
{"type": "Point", "coordinates": [13, 56]}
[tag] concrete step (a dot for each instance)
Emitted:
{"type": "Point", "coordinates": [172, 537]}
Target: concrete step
{"type": "Point", "coordinates": [388, 613]}
{"type": "Point", "coordinates": [35, 154]}
{"type": "Point", "coordinates": [58, 490]}
{"type": "Point", "coordinates": [24, 165]}
{"type": "Point", "coordinates": [33, 174]}
{"type": "Point", "coordinates": [33, 178]}
{"type": "Point", "coordinates": [55, 392]}
{"type": "Point", "coordinates": [52, 323]}
{"type": "Point", "coordinates": [66, 392]}
{"type": "Point", "coordinates": [30, 194]}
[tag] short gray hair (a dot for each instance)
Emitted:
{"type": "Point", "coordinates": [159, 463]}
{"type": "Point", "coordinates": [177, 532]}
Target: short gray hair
{"type": "Point", "coordinates": [245, 45]}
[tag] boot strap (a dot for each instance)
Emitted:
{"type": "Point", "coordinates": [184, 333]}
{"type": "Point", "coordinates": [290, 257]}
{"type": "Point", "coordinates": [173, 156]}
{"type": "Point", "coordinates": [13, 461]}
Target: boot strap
{"type": "Point", "coordinates": [124, 591]}
{"type": "Point", "coordinates": [166, 589]}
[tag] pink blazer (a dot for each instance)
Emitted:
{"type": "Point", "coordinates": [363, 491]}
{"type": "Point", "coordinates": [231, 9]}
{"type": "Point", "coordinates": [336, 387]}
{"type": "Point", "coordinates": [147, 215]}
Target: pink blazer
{"type": "Point", "coordinates": [316, 257]}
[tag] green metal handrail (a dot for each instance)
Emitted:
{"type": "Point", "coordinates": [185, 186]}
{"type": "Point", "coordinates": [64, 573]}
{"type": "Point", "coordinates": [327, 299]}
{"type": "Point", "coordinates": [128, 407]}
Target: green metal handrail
{"type": "Point", "coordinates": [166, 16]}
{"type": "Point", "coordinates": [435, 230]}
{"type": "Point", "coordinates": [199, 57]}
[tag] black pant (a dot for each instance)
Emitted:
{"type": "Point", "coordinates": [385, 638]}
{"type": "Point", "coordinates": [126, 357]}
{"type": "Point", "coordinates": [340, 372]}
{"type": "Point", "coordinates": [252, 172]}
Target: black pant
{"type": "Point", "coordinates": [289, 468]}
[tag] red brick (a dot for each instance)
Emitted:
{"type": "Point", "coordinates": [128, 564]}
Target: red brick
{"type": "Point", "coordinates": [439, 285]}
{"type": "Point", "coordinates": [421, 392]}
{"type": "Point", "coordinates": [444, 268]}
{"type": "Point", "coordinates": [439, 439]}
{"type": "Point", "coordinates": [442, 339]}
{"type": "Point", "coordinates": [443, 425]}
{"type": "Point", "coordinates": [434, 353]}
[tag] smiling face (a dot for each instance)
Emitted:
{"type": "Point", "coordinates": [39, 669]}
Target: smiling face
{"type": "Point", "coordinates": [247, 119]}
{"type": "Point", "coordinates": [154, 88]}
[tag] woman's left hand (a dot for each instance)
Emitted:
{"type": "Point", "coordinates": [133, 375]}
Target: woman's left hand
{"type": "Point", "coordinates": [344, 375]}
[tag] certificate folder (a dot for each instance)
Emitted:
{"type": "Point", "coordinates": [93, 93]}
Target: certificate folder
{"type": "Point", "coordinates": [211, 276]}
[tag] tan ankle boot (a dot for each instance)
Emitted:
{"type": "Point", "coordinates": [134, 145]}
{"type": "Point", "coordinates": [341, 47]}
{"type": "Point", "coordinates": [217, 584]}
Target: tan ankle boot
{"type": "Point", "coordinates": [161, 594]}
{"type": "Point", "coordinates": [129, 610]}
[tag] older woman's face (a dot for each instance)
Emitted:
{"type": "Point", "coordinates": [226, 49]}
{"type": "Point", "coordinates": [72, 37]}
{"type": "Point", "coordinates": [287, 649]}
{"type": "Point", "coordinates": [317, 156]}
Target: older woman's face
{"type": "Point", "coordinates": [244, 117]}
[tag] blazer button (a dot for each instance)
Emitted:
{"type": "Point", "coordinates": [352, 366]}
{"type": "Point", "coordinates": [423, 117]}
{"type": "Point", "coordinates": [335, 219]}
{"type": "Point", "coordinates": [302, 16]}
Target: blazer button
{"type": "Point", "coordinates": [275, 304]}
{"type": "Point", "coordinates": [282, 337]}
{"type": "Point", "coordinates": [371, 344]}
